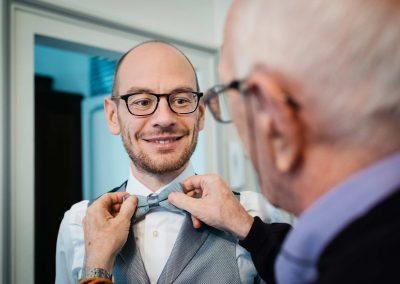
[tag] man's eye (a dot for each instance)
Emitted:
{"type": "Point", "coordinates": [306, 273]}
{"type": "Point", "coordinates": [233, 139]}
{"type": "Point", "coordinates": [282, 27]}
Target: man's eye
{"type": "Point", "coordinates": [141, 103]}
{"type": "Point", "coordinates": [181, 101]}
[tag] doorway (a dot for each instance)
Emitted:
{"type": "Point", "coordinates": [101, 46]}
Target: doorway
{"type": "Point", "coordinates": [62, 82]}
{"type": "Point", "coordinates": [75, 156]}
{"type": "Point", "coordinates": [57, 168]}
{"type": "Point", "coordinates": [30, 27]}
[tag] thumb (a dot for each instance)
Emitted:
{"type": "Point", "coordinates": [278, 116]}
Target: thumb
{"type": "Point", "coordinates": [184, 202]}
{"type": "Point", "coordinates": [196, 222]}
{"type": "Point", "coordinates": [128, 207]}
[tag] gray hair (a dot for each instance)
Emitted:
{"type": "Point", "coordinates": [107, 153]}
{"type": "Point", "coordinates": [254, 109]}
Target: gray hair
{"type": "Point", "coordinates": [345, 55]}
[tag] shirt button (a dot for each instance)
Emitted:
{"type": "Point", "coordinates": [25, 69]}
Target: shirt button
{"type": "Point", "coordinates": [155, 233]}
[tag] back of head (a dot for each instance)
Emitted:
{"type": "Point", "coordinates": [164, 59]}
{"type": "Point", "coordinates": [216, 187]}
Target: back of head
{"type": "Point", "coordinates": [343, 56]}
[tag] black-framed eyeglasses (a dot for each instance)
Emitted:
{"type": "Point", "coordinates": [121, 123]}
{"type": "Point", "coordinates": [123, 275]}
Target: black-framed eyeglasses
{"type": "Point", "coordinates": [145, 103]}
{"type": "Point", "coordinates": [216, 99]}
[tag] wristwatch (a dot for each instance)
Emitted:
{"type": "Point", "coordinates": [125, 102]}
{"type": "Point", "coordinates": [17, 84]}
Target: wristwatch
{"type": "Point", "coordinates": [97, 272]}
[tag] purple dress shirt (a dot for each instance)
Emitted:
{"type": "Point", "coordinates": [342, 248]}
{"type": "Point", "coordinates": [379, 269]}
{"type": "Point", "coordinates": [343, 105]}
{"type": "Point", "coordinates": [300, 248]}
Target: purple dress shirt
{"type": "Point", "coordinates": [328, 216]}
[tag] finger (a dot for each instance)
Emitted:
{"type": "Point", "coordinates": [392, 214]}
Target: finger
{"type": "Point", "coordinates": [196, 222]}
{"type": "Point", "coordinates": [118, 197]}
{"type": "Point", "coordinates": [104, 206]}
{"type": "Point", "coordinates": [128, 207]}
{"type": "Point", "coordinates": [115, 210]}
{"type": "Point", "coordinates": [116, 207]}
{"type": "Point", "coordinates": [192, 183]}
{"type": "Point", "coordinates": [109, 199]}
{"type": "Point", "coordinates": [185, 202]}
{"type": "Point", "coordinates": [195, 193]}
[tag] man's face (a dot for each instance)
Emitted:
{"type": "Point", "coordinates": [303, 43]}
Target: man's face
{"type": "Point", "coordinates": [244, 114]}
{"type": "Point", "coordinates": [164, 141]}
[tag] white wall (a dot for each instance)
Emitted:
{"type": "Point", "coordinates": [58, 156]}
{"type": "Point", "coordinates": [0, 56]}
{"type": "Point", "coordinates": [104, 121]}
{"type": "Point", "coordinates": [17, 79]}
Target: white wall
{"type": "Point", "coordinates": [221, 8]}
{"type": "Point", "coordinates": [193, 21]}
{"type": "Point", "coordinates": [2, 143]}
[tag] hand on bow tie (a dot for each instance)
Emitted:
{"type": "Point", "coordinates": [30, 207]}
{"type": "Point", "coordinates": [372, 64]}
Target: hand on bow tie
{"type": "Point", "coordinates": [154, 200]}
{"type": "Point", "coordinates": [106, 227]}
{"type": "Point", "coordinates": [217, 207]}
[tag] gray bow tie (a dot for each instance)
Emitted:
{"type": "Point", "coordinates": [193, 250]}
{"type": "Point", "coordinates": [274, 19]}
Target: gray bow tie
{"type": "Point", "coordinates": [154, 200]}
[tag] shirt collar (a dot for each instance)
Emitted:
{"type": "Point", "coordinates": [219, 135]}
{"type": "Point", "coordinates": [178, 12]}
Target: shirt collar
{"type": "Point", "coordinates": [334, 211]}
{"type": "Point", "coordinates": [137, 188]}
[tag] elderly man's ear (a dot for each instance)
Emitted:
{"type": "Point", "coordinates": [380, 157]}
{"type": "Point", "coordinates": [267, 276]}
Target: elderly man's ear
{"type": "Point", "coordinates": [278, 122]}
{"type": "Point", "coordinates": [111, 111]}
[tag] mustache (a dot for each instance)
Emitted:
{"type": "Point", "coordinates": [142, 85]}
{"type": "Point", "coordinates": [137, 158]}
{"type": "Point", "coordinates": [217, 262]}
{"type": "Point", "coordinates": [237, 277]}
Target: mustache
{"type": "Point", "coordinates": [164, 130]}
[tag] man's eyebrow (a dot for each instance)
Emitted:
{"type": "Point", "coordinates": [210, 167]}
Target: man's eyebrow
{"type": "Point", "coordinates": [147, 90]}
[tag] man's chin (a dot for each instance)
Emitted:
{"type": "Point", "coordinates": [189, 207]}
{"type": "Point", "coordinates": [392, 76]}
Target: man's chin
{"type": "Point", "coordinates": [161, 164]}
{"type": "Point", "coordinates": [165, 153]}
{"type": "Point", "coordinates": [167, 164]}
{"type": "Point", "coordinates": [162, 161]}
{"type": "Point", "coordinates": [163, 169]}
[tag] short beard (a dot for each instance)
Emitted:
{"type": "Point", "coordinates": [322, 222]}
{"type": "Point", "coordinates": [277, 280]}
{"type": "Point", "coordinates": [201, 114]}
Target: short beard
{"type": "Point", "coordinates": [142, 161]}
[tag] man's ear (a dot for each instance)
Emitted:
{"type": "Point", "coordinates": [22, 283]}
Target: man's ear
{"type": "Point", "coordinates": [111, 111]}
{"type": "Point", "coordinates": [202, 114]}
{"type": "Point", "coordinates": [278, 122]}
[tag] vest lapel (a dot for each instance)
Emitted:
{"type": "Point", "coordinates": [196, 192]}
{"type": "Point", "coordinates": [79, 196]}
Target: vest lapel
{"type": "Point", "coordinates": [186, 246]}
{"type": "Point", "coordinates": [129, 266]}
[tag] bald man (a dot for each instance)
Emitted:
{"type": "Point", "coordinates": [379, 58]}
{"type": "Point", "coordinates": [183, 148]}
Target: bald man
{"type": "Point", "coordinates": [157, 109]}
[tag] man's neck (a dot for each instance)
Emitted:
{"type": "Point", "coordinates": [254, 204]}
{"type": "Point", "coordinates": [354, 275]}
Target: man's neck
{"type": "Point", "coordinates": [155, 181]}
{"type": "Point", "coordinates": [335, 167]}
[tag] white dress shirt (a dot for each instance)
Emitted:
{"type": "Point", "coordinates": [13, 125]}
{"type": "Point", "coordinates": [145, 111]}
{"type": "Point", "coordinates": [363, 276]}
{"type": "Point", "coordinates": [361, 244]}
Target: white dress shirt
{"type": "Point", "coordinates": [156, 232]}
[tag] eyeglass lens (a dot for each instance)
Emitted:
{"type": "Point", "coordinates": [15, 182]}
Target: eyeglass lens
{"type": "Point", "coordinates": [220, 108]}
{"type": "Point", "coordinates": [144, 104]}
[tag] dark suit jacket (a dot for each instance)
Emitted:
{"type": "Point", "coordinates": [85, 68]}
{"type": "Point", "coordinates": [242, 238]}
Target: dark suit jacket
{"type": "Point", "coordinates": [367, 251]}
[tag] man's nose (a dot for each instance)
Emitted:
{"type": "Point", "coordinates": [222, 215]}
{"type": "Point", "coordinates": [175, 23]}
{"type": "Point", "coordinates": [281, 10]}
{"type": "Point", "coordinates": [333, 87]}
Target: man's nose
{"type": "Point", "coordinates": [163, 116]}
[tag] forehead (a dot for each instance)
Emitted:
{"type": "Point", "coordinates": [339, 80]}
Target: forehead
{"type": "Point", "coordinates": [155, 66]}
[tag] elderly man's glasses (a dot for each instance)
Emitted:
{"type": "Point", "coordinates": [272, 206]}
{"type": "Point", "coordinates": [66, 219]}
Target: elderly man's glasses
{"type": "Point", "coordinates": [144, 103]}
{"type": "Point", "coordinates": [216, 98]}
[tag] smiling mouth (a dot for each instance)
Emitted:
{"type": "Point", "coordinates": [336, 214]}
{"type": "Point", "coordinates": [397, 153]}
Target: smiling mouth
{"type": "Point", "coordinates": [163, 141]}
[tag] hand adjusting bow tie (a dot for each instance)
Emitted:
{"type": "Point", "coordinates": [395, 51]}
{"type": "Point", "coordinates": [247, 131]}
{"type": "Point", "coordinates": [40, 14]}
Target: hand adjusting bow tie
{"type": "Point", "coordinates": [146, 203]}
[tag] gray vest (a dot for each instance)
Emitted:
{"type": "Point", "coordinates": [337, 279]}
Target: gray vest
{"type": "Point", "coordinates": [203, 255]}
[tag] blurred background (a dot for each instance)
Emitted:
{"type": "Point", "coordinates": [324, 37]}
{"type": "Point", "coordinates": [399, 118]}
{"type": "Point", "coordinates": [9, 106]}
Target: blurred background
{"type": "Point", "coordinates": [57, 60]}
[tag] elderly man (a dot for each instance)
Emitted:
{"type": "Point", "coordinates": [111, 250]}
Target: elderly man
{"type": "Point", "coordinates": [156, 108]}
{"type": "Point", "coordinates": [313, 88]}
